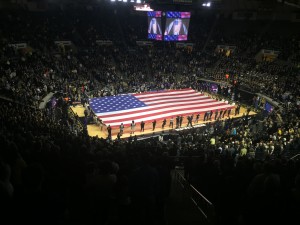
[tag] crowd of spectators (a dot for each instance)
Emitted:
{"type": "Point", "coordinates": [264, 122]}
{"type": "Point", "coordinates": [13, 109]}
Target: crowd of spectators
{"type": "Point", "coordinates": [49, 161]}
{"type": "Point", "coordinates": [52, 174]}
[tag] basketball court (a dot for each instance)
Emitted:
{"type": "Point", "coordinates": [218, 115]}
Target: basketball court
{"type": "Point", "coordinates": [95, 130]}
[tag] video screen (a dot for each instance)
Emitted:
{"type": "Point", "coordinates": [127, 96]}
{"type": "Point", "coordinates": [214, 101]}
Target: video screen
{"type": "Point", "coordinates": [154, 25]}
{"type": "Point", "coordinates": [177, 26]}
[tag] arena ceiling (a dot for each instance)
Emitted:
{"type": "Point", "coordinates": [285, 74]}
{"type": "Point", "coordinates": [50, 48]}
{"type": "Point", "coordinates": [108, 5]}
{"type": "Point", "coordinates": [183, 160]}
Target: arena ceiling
{"type": "Point", "coordinates": [227, 5]}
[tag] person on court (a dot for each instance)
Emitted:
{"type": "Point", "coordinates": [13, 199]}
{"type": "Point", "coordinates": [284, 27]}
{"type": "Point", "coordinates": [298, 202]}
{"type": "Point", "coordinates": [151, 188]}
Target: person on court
{"type": "Point", "coordinates": [109, 131]}
{"type": "Point", "coordinates": [121, 129]}
{"type": "Point", "coordinates": [153, 124]}
{"type": "Point", "coordinates": [164, 124]}
{"type": "Point", "coordinates": [142, 126]}
{"type": "Point", "coordinates": [171, 122]}
{"type": "Point", "coordinates": [132, 127]}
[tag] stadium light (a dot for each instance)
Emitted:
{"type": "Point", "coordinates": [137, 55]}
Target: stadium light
{"type": "Point", "coordinates": [112, 0]}
{"type": "Point", "coordinates": [144, 7]}
{"type": "Point", "coordinates": [124, 0]}
{"type": "Point", "coordinates": [208, 4]}
{"type": "Point", "coordinates": [131, 0]}
{"type": "Point", "coordinates": [138, 1]}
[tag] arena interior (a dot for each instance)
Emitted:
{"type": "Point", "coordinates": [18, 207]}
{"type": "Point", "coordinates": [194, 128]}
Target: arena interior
{"type": "Point", "coordinates": [155, 112]}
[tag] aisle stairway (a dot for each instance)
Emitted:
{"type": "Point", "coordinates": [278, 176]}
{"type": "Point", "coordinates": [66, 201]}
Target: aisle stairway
{"type": "Point", "coordinates": [183, 207]}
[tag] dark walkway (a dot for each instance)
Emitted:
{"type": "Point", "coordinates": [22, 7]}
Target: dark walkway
{"type": "Point", "coordinates": [180, 208]}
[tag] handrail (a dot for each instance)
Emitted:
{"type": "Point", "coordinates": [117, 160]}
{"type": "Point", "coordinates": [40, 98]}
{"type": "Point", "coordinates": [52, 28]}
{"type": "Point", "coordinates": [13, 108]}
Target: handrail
{"type": "Point", "coordinates": [182, 177]}
{"type": "Point", "coordinates": [202, 196]}
{"type": "Point", "coordinates": [201, 202]}
{"type": "Point", "coordinates": [295, 156]}
{"type": "Point", "coordinates": [4, 98]}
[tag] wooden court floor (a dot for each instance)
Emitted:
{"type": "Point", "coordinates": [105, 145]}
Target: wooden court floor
{"type": "Point", "coordinates": [95, 130]}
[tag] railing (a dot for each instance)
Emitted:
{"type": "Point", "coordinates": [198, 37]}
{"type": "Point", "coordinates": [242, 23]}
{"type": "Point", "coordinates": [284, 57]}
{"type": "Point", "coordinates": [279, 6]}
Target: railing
{"type": "Point", "coordinates": [205, 207]}
{"type": "Point", "coordinates": [295, 156]}
{"type": "Point", "coordinates": [4, 98]}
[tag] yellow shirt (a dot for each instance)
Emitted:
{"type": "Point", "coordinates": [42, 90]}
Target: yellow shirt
{"type": "Point", "coordinates": [212, 141]}
{"type": "Point", "coordinates": [243, 151]}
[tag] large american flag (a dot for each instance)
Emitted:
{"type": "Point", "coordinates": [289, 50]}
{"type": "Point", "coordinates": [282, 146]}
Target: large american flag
{"type": "Point", "coordinates": [147, 106]}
